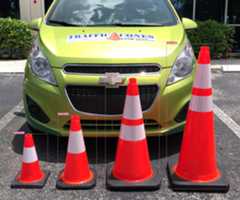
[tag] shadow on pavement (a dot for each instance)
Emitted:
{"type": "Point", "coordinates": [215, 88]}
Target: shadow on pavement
{"type": "Point", "coordinates": [20, 114]}
{"type": "Point", "coordinates": [52, 148]}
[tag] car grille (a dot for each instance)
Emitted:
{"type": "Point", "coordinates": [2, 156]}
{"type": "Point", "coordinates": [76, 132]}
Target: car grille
{"type": "Point", "coordinates": [110, 125]}
{"type": "Point", "coordinates": [102, 69]}
{"type": "Point", "coordinates": [107, 101]}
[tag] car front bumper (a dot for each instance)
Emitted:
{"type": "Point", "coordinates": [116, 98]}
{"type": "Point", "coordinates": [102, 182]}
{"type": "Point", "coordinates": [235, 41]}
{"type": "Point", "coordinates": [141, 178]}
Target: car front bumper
{"type": "Point", "coordinates": [166, 114]}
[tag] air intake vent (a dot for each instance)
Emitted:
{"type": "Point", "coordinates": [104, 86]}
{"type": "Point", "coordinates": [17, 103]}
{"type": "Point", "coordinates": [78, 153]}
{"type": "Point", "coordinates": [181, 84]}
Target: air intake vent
{"type": "Point", "coordinates": [102, 69]}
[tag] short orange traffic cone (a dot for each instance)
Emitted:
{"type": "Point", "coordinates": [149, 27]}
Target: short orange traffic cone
{"type": "Point", "coordinates": [31, 175]}
{"type": "Point", "coordinates": [132, 169]}
{"type": "Point", "coordinates": [76, 174]}
{"type": "Point", "coordinates": [196, 169]}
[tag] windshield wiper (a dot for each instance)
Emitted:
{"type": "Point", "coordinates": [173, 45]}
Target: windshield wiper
{"type": "Point", "coordinates": [62, 23]}
{"type": "Point", "coordinates": [124, 25]}
{"type": "Point", "coordinates": [135, 24]}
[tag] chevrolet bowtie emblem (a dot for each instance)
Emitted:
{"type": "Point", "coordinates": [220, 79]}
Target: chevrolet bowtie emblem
{"type": "Point", "coordinates": [111, 80]}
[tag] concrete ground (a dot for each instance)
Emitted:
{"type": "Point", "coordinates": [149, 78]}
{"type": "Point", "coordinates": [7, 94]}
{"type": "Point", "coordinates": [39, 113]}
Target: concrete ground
{"type": "Point", "coordinates": [10, 92]}
{"type": "Point", "coordinates": [51, 149]}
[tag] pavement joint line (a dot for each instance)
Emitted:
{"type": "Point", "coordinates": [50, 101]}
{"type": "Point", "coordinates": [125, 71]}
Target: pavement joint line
{"type": "Point", "coordinates": [16, 65]}
{"type": "Point", "coordinates": [228, 121]}
{"type": "Point", "coordinates": [231, 68]}
{"type": "Point", "coordinates": [7, 118]}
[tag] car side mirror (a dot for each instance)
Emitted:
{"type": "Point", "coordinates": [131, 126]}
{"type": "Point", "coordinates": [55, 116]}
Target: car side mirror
{"type": "Point", "coordinates": [35, 24]}
{"type": "Point", "coordinates": [188, 23]}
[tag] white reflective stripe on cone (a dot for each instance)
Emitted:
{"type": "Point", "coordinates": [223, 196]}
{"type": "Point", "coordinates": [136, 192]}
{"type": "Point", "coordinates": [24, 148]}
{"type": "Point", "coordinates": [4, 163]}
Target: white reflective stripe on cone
{"type": "Point", "coordinates": [203, 77]}
{"type": "Point", "coordinates": [201, 103]}
{"type": "Point", "coordinates": [132, 133]}
{"type": "Point", "coordinates": [29, 155]}
{"type": "Point", "coordinates": [132, 108]}
{"type": "Point", "coordinates": [76, 142]}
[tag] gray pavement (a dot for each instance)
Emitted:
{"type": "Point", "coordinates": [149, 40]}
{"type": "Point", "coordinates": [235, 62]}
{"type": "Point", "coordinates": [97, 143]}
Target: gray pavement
{"type": "Point", "coordinates": [227, 93]}
{"type": "Point", "coordinates": [231, 61]}
{"type": "Point", "coordinates": [52, 149]}
{"type": "Point", "coordinates": [10, 91]}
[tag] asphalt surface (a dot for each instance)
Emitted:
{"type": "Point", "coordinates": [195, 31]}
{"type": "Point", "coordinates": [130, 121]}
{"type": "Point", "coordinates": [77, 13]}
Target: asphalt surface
{"type": "Point", "coordinates": [101, 151]}
{"type": "Point", "coordinates": [10, 92]}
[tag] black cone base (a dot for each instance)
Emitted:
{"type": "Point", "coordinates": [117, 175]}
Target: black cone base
{"type": "Point", "coordinates": [178, 184]}
{"type": "Point", "coordinates": [83, 186]}
{"type": "Point", "coordinates": [118, 185]}
{"type": "Point", "coordinates": [40, 184]}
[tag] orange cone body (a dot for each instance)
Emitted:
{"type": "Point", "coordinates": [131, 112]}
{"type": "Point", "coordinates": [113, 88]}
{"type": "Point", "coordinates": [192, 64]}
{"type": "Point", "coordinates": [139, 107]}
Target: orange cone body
{"type": "Point", "coordinates": [76, 170]}
{"type": "Point", "coordinates": [137, 167]}
{"type": "Point", "coordinates": [132, 161]}
{"type": "Point", "coordinates": [31, 171]}
{"type": "Point", "coordinates": [197, 169]}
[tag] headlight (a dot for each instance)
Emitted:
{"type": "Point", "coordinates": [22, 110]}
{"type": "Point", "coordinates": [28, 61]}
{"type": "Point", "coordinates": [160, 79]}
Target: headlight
{"type": "Point", "coordinates": [40, 66]}
{"type": "Point", "coordinates": [183, 65]}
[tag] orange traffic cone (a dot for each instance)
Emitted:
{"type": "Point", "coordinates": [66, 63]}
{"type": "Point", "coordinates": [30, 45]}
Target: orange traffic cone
{"type": "Point", "coordinates": [132, 169]}
{"type": "Point", "coordinates": [76, 174]}
{"type": "Point", "coordinates": [31, 175]}
{"type": "Point", "coordinates": [196, 169]}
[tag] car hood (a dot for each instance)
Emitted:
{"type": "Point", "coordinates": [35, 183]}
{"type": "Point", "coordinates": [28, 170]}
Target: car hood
{"type": "Point", "coordinates": [108, 45]}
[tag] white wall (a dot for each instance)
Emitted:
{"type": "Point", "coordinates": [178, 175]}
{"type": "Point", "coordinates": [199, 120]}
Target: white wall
{"type": "Point", "coordinates": [31, 9]}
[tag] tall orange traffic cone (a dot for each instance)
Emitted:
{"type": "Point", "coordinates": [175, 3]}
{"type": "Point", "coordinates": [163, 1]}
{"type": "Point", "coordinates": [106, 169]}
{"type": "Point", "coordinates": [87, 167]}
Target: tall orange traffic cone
{"type": "Point", "coordinates": [132, 169]}
{"type": "Point", "coordinates": [76, 173]}
{"type": "Point", "coordinates": [31, 175]}
{"type": "Point", "coordinates": [196, 169]}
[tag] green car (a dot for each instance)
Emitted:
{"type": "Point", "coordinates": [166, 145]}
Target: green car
{"type": "Point", "coordinates": [86, 51]}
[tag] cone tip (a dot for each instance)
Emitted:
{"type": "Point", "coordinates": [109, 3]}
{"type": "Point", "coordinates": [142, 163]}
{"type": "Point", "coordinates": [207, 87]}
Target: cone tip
{"type": "Point", "coordinates": [132, 87]}
{"type": "Point", "coordinates": [75, 123]}
{"type": "Point", "coordinates": [133, 81]}
{"type": "Point", "coordinates": [75, 117]}
{"type": "Point", "coordinates": [28, 140]}
{"type": "Point", "coordinates": [204, 55]}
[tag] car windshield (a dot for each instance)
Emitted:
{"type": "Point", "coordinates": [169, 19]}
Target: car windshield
{"type": "Point", "coordinates": [111, 12]}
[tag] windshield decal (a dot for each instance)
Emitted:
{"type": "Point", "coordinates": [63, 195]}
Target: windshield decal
{"type": "Point", "coordinates": [109, 36]}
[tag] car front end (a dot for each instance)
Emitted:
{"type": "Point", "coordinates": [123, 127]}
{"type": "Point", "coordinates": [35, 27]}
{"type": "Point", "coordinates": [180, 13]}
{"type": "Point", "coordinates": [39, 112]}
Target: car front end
{"type": "Point", "coordinates": [85, 71]}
